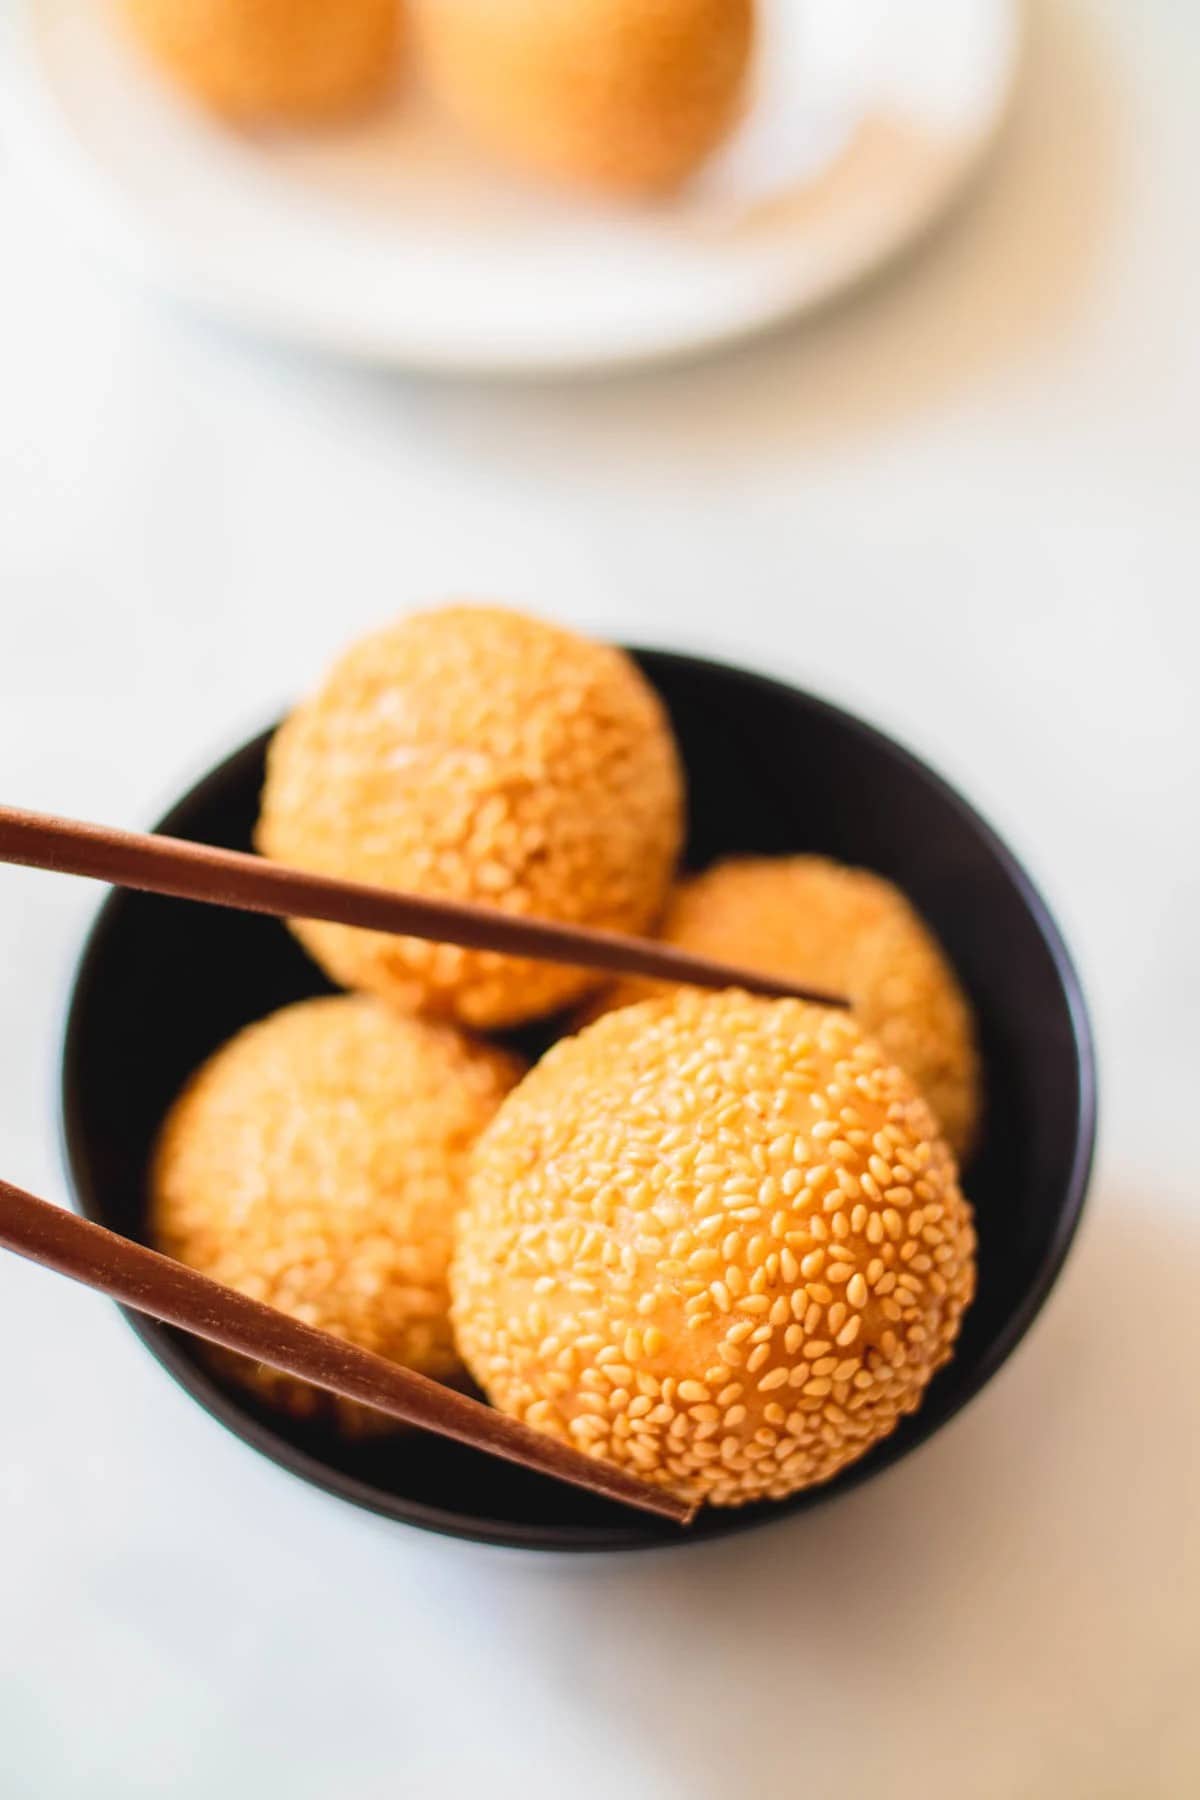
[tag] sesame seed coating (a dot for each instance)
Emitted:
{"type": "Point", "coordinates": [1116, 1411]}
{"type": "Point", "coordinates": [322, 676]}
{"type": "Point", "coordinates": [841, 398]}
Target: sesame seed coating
{"type": "Point", "coordinates": [698, 1122]}
{"type": "Point", "coordinates": [272, 60]}
{"type": "Point", "coordinates": [827, 925]}
{"type": "Point", "coordinates": [621, 95]}
{"type": "Point", "coordinates": [316, 1162]}
{"type": "Point", "coordinates": [474, 754]}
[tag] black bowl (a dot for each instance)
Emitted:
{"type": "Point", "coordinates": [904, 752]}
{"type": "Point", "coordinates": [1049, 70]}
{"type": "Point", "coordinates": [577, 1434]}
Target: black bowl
{"type": "Point", "coordinates": [164, 982]}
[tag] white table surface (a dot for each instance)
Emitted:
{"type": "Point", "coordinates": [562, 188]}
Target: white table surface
{"type": "Point", "coordinates": [967, 505]}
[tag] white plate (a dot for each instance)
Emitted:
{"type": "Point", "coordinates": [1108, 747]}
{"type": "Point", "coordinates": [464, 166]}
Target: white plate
{"type": "Point", "coordinates": [392, 241]}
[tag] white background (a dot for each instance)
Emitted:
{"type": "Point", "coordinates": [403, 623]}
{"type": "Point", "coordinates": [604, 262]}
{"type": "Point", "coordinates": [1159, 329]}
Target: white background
{"type": "Point", "coordinates": [967, 505]}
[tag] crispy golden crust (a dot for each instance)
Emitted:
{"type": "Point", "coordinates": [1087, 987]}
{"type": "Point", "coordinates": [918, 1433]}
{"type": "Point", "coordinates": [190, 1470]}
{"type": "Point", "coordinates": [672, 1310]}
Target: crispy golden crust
{"type": "Point", "coordinates": [849, 931]}
{"type": "Point", "coordinates": [316, 1162]}
{"type": "Point", "coordinates": [273, 60]}
{"type": "Point", "coordinates": [716, 1239]}
{"type": "Point", "coordinates": [475, 754]}
{"type": "Point", "coordinates": [626, 96]}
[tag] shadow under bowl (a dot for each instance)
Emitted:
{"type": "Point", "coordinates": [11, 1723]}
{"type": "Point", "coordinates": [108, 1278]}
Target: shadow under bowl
{"type": "Point", "coordinates": [161, 983]}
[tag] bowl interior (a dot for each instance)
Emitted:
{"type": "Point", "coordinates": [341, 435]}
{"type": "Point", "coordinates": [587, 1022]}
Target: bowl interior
{"type": "Point", "coordinates": [163, 982]}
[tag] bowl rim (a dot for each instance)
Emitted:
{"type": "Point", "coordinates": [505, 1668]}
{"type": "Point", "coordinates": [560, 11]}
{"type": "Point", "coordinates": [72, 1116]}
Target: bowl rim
{"type": "Point", "coordinates": [167, 1348]}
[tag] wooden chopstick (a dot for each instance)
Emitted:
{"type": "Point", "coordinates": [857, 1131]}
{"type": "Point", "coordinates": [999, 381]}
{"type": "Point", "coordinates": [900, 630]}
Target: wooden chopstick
{"type": "Point", "coordinates": [169, 1291]}
{"type": "Point", "coordinates": [186, 871]}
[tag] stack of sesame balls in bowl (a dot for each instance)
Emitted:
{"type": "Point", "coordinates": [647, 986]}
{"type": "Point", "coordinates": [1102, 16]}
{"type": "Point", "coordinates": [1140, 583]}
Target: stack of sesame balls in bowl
{"type": "Point", "coordinates": [717, 1239]}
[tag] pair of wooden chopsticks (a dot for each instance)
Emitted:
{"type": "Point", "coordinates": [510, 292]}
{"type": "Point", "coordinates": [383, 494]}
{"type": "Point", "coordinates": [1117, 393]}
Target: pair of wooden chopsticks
{"type": "Point", "coordinates": [154, 1284]}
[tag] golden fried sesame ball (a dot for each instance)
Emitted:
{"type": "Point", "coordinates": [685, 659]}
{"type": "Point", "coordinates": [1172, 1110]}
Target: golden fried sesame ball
{"type": "Point", "coordinates": [716, 1239]}
{"type": "Point", "coordinates": [626, 96]}
{"type": "Point", "coordinates": [824, 925]}
{"type": "Point", "coordinates": [272, 60]}
{"type": "Point", "coordinates": [316, 1162]}
{"type": "Point", "coordinates": [475, 754]}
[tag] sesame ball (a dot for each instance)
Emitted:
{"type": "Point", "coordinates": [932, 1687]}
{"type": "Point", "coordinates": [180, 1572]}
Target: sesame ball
{"type": "Point", "coordinates": [716, 1239]}
{"type": "Point", "coordinates": [316, 1162]}
{"type": "Point", "coordinates": [616, 95]}
{"type": "Point", "coordinates": [824, 925]}
{"type": "Point", "coordinates": [272, 61]}
{"type": "Point", "coordinates": [474, 754]}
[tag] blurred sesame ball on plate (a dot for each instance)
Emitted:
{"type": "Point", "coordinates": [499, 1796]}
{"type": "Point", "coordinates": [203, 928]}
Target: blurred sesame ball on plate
{"type": "Point", "coordinates": [273, 61]}
{"type": "Point", "coordinates": [474, 754]}
{"type": "Point", "coordinates": [622, 96]}
{"type": "Point", "coordinates": [820, 923]}
{"type": "Point", "coordinates": [716, 1239]}
{"type": "Point", "coordinates": [316, 1162]}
